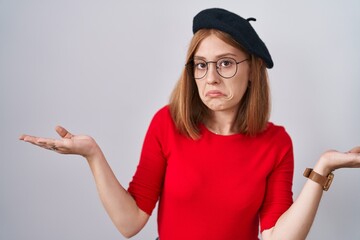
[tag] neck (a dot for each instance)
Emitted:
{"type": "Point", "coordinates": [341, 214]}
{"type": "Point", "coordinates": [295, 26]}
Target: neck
{"type": "Point", "coordinates": [222, 123]}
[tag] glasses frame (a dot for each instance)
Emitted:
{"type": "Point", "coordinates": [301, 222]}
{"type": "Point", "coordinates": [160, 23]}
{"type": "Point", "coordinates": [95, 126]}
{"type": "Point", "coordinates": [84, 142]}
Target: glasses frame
{"type": "Point", "coordinates": [191, 64]}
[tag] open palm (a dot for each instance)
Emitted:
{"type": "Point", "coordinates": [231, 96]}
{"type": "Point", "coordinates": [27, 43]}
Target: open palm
{"type": "Point", "coordinates": [68, 143]}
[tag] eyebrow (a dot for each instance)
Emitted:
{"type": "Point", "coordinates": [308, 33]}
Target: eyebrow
{"type": "Point", "coordinates": [218, 56]}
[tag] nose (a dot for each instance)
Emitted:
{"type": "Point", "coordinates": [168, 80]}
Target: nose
{"type": "Point", "coordinates": [212, 77]}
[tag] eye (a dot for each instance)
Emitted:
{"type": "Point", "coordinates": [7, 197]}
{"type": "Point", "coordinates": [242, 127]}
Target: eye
{"type": "Point", "coordinates": [200, 65]}
{"type": "Point", "coordinates": [225, 63]}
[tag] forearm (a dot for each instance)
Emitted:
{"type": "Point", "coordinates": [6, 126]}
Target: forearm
{"type": "Point", "coordinates": [296, 222]}
{"type": "Point", "coordinates": [119, 204]}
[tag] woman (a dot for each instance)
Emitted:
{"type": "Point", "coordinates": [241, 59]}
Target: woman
{"type": "Point", "coordinates": [217, 166]}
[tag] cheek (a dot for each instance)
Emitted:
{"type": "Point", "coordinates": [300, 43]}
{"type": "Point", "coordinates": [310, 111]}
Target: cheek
{"type": "Point", "coordinates": [200, 87]}
{"type": "Point", "coordinates": [236, 91]}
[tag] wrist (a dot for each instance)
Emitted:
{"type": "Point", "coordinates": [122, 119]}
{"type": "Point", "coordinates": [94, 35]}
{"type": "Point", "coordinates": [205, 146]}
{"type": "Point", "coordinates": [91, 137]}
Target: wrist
{"type": "Point", "coordinates": [93, 151]}
{"type": "Point", "coordinates": [322, 167]}
{"type": "Point", "coordinates": [323, 181]}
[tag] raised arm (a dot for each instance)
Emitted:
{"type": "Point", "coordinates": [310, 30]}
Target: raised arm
{"type": "Point", "coordinates": [119, 204]}
{"type": "Point", "coordinates": [296, 222]}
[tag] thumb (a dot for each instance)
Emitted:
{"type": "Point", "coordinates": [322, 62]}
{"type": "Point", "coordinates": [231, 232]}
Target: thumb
{"type": "Point", "coordinates": [63, 132]}
{"type": "Point", "coordinates": [355, 150]}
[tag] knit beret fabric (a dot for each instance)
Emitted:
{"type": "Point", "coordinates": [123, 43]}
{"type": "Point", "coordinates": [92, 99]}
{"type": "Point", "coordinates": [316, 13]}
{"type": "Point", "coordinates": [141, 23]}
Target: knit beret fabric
{"type": "Point", "coordinates": [237, 27]}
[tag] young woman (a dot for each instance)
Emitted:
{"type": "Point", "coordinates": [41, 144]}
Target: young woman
{"type": "Point", "coordinates": [212, 159]}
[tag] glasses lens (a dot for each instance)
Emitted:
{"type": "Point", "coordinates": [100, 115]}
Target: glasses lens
{"type": "Point", "coordinates": [226, 67]}
{"type": "Point", "coordinates": [200, 68]}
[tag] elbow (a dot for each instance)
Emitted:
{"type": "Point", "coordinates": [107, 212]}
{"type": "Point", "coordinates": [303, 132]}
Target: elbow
{"type": "Point", "coordinates": [130, 230]}
{"type": "Point", "coordinates": [128, 233]}
{"type": "Point", "coordinates": [129, 227]}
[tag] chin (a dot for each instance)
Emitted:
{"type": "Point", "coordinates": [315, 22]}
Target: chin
{"type": "Point", "coordinates": [217, 107]}
{"type": "Point", "coordinates": [222, 107]}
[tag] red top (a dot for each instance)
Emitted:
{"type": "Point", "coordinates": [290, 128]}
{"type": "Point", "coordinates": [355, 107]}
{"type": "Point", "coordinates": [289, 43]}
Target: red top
{"type": "Point", "coordinates": [217, 187]}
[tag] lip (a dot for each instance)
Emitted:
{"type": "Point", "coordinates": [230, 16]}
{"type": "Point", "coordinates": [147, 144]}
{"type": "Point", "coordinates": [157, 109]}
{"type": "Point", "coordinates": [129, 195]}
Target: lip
{"type": "Point", "coordinates": [214, 93]}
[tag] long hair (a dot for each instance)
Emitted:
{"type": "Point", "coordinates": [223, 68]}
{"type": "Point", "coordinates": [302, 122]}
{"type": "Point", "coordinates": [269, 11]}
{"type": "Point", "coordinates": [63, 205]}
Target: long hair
{"type": "Point", "coordinates": [188, 111]}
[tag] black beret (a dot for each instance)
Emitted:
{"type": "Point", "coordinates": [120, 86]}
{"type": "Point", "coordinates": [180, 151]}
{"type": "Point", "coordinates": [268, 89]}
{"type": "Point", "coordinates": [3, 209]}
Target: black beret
{"type": "Point", "coordinates": [237, 27]}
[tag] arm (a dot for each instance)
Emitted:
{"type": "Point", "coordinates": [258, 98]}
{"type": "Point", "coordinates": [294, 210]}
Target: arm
{"type": "Point", "coordinates": [119, 204]}
{"type": "Point", "coordinates": [296, 222]}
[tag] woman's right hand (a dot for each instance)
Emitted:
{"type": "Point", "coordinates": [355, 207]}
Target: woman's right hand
{"type": "Point", "coordinates": [68, 143]}
{"type": "Point", "coordinates": [119, 204]}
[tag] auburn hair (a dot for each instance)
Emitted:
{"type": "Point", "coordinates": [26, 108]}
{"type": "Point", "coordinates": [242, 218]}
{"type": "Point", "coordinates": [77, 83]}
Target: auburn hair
{"type": "Point", "coordinates": [188, 111]}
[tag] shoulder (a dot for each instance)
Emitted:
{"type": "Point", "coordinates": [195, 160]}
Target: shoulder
{"type": "Point", "coordinates": [162, 115]}
{"type": "Point", "coordinates": [163, 111]}
{"type": "Point", "coordinates": [277, 134]}
{"type": "Point", "coordinates": [278, 144]}
{"type": "Point", "coordinates": [276, 130]}
{"type": "Point", "coordinates": [162, 119]}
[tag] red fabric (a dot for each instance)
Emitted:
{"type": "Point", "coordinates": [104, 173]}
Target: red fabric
{"type": "Point", "coordinates": [217, 187]}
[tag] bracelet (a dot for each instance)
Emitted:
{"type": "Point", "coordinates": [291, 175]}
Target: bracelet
{"type": "Point", "coordinates": [324, 181]}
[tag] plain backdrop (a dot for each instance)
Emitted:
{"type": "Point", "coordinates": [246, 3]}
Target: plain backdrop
{"type": "Point", "coordinates": [104, 68]}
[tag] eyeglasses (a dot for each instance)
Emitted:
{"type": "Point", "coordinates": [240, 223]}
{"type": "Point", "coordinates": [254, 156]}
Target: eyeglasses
{"type": "Point", "coordinates": [225, 67]}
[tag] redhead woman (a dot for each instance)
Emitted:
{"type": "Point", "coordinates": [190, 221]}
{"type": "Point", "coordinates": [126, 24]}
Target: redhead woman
{"type": "Point", "coordinates": [211, 159]}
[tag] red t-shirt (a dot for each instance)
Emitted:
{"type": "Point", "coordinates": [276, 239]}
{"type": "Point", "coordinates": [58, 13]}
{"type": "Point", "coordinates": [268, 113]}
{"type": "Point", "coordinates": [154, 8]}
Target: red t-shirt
{"type": "Point", "coordinates": [216, 187]}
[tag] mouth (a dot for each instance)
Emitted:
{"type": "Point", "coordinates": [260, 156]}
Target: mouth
{"type": "Point", "coordinates": [214, 93]}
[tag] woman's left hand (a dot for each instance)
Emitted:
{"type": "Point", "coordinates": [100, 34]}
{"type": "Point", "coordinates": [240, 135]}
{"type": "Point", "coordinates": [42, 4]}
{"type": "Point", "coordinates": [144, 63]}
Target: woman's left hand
{"type": "Point", "coordinates": [332, 160]}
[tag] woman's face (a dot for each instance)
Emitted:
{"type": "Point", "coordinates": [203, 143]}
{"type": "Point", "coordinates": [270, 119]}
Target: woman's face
{"type": "Point", "coordinates": [216, 92]}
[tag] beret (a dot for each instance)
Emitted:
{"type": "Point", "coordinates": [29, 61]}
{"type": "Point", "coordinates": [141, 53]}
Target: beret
{"type": "Point", "coordinates": [237, 27]}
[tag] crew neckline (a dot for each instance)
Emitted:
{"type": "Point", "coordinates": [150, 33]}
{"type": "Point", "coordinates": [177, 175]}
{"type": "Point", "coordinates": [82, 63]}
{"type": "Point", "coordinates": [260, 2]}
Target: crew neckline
{"type": "Point", "coordinates": [205, 130]}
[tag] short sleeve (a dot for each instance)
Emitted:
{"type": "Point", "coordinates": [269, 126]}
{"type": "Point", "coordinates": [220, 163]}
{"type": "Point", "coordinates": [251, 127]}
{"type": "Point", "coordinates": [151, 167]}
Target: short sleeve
{"type": "Point", "coordinates": [278, 196]}
{"type": "Point", "coordinates": [147, 182]}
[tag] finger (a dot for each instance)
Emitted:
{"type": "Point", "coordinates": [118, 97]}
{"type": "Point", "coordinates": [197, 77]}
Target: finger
{"type": "Point", "coordinates": [55, 145]}
{"type": "Point", "coordinates": [39, 140]}
{"type": "Point", "coordinates": [35, 140]}
{"type": "Point", "coordinates": [28, 138]}
{"type": "Point", "coordinates": [63, 132]}
{"type": "Point", "coordinates": [22, 137]}
{"type": "Point", "coordinates": [355, 150]}
{"type": "Point", "coordinates": [54, 148]}
{"type": "Point", "coordinates": [48, 143]}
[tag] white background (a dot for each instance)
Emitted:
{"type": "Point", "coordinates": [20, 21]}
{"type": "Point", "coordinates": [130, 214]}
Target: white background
{"type": "Point", "coordinates": [105, 67]}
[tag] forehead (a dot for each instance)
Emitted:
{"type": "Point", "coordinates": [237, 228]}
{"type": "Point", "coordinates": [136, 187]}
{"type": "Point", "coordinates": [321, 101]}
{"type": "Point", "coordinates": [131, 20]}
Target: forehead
{"type": "Point", "coordinates": [213, 47]}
